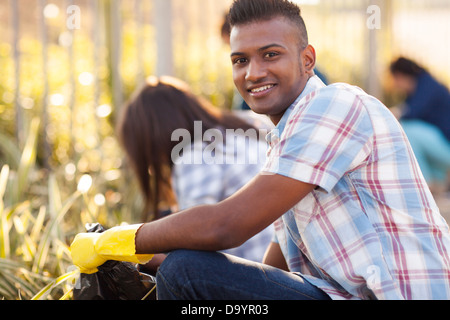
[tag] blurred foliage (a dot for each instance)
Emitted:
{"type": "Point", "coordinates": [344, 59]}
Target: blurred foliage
{"type": "Point", "coordinates": [40, 212]}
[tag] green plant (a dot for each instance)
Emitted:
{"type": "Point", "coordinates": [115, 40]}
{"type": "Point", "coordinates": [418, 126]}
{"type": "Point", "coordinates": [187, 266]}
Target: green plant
{"type": "Point", "coordinates": [25, 255]}
{"type": "Point", "coordinates": [33, 244]}
{"type": "Point", "coordinates": [40, 212]}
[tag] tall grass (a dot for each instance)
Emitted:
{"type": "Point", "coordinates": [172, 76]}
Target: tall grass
{"type": "Point", "coordinates": [32, 239]}
{"type": "Point", "coordinates": [39, 215]}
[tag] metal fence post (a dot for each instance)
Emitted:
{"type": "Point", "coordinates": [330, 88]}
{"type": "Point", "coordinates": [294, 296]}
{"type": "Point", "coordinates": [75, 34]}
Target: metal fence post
{"type": "Point", "coordinates": [163, 23]}
{"type": "Point", "coordinates": [16, 52]}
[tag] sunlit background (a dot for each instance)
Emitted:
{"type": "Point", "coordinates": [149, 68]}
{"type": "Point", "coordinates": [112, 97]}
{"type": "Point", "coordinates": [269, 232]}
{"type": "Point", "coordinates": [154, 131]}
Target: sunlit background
{"type": "Point", "coordinates": [79, 78]}
{"type": "Point", "coordinates": [62, 85]}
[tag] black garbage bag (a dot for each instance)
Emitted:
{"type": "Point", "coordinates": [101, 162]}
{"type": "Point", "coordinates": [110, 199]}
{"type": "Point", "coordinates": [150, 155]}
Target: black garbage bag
{"type": "Point", "coordinates": [114, 281]}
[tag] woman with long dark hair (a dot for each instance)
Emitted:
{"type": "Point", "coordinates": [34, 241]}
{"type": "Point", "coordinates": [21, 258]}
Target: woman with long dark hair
{"type": "Point", "coordinates": [171, 182]}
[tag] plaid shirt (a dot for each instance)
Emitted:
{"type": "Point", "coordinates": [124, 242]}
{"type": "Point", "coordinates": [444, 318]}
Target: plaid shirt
{"type": "Point", "coordinates": [371, 230]}
{"type": "Point", "coordinates": [197, 183]}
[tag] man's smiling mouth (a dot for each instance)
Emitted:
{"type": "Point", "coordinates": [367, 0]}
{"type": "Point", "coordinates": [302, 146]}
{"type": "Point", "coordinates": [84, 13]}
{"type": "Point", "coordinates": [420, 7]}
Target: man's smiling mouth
{"type": "Point", "coordinates": [261, 89]}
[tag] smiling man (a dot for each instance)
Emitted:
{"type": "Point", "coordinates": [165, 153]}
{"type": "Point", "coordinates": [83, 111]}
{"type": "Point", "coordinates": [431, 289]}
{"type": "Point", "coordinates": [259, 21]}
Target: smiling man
{"type": "Point", "coordinates": [353, 215]}
{"type": "Point", "coordinates": [272, 63]}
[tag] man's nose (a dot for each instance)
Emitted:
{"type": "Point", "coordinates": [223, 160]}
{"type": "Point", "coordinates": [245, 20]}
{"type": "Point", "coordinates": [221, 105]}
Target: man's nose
{"type": "Point", "coordinates": [255, 71]}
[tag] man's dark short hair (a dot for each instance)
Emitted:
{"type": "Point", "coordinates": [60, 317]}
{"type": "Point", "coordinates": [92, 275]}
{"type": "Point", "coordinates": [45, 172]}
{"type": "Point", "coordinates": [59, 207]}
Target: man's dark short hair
{"type": "Point", "coordinates": [248, 11]}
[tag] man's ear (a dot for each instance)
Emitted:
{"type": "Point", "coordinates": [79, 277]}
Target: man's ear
{"type": "Point", "coordinates": [309, 59]}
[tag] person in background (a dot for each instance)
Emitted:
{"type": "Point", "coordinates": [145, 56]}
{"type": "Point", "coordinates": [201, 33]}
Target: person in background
{"type": "Point", "coordinates": [425, 117]}
{"type": "Point", "coordinates": [174, 182]}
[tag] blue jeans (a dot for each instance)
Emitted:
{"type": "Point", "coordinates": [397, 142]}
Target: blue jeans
{"type": "Point", "coordinates": [198, 275]}
{"type": "Point", "coordinates": [431, 148]}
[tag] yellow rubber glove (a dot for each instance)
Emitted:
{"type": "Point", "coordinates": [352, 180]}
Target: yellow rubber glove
{"type": "Point", "coordinates": [91, 250]}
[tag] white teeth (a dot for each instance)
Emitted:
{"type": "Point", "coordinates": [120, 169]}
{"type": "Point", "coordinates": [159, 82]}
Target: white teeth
{"type": "Point", "coordinates": [260, 89]}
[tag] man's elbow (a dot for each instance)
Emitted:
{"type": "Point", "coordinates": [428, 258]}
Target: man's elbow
{"type": "Point", "coordinates": [224, 234]}
{"type": "Point", "coordinates": [226, 226]}
{"type": "Point", "coordinates": [226, 237]}
{"type": "Point", "coordinates": [234, 231]}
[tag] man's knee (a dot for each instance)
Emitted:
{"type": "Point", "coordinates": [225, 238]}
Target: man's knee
{"type": "Point", "coordinates": [179, 271]}
{"type": "Point", "coordinates": [180, 261]}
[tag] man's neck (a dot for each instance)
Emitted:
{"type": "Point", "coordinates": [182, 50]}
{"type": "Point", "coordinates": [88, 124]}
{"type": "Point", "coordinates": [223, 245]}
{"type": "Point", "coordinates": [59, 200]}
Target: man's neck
{"type": "Point", "coordinates": [277, 118]}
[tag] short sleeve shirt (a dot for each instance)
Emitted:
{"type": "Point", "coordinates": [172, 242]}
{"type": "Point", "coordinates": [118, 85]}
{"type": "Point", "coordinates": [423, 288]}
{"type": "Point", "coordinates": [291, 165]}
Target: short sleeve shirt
{"type": "Point", "coordinates": [371, 229]}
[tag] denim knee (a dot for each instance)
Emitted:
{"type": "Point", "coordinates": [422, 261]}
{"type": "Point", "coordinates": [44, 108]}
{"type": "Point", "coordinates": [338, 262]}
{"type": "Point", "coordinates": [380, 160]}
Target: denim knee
{"type": "Point", "coordinates": [177, 270]}
{"type": "Point", "coordinates": [177, 261]}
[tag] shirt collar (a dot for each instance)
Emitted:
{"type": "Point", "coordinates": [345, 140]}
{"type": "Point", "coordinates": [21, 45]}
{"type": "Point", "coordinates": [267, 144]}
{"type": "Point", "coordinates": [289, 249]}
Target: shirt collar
{"type": "Point", "coordinates": [314, 83]}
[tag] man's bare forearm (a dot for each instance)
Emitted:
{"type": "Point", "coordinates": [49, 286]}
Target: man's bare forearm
{"type": "Point", "coordinates": [195, 229]}
{"type": "Point", "coordinates": [226, 224]}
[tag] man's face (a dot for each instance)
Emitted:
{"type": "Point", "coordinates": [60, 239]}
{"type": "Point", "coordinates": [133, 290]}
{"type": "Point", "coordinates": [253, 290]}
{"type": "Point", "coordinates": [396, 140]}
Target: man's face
{"type": "Point", "coordinates": [270, 69]}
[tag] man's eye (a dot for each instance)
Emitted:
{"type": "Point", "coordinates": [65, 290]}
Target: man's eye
{"type": "Point", "coordinates": [239, 61]}
{"type": "Point", "coordinates": [271, 54]}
